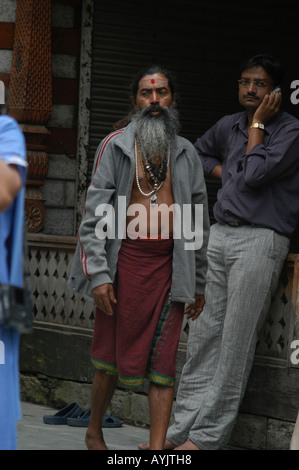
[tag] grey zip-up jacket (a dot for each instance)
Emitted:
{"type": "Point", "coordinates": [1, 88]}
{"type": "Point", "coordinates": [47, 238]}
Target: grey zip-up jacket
{"type": "Point", "coordinates": [95, 260]}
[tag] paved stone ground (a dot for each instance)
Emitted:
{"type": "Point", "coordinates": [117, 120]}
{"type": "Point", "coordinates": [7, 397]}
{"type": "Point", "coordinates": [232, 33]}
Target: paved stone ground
{"type": "Point", "coordinates": [33, 434]}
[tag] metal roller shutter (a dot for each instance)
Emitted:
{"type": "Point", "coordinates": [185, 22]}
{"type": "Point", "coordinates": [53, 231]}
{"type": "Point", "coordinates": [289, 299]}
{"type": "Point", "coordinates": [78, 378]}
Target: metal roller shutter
{"type": "Point", "coordinates": [201, 42]}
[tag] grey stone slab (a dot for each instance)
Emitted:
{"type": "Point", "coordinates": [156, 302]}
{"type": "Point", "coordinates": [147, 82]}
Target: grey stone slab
{"type": "Point", "coordinates": [33, 434]}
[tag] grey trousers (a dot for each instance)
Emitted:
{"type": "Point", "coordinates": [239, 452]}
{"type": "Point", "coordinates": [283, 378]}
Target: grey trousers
{"type": "Point", "coordinates": [244, 267]}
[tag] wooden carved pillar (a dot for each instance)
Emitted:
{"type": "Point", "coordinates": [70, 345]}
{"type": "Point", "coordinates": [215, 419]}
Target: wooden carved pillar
{"type": "Point", "coordinates": [30, 97]}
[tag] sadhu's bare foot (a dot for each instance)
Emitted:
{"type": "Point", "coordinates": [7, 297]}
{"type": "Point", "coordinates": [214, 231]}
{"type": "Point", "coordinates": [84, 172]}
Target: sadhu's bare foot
{"type": "Point", "coordinates": [188, 445]}
{"type": "Point", "coordinates": [168, 445]}
{"type": "Point", "coordinates": [95, 442]}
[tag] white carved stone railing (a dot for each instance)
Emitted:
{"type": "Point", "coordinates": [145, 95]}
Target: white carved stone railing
{"type": "Point", "coordinates": [50, 260]}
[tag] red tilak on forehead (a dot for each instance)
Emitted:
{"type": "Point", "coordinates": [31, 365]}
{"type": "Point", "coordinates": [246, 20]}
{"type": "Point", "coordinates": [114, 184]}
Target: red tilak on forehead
{"type": "Point", "coordinates": [153, 80]}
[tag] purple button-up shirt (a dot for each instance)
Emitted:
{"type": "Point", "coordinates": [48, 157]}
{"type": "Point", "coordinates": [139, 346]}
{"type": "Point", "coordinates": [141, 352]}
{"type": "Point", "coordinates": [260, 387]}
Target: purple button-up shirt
{"type": "Point", "coordinates": [261, 187]}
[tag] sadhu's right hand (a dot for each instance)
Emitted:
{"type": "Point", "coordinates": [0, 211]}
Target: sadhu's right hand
{"type": "Point", "coordinates": [103, 296]}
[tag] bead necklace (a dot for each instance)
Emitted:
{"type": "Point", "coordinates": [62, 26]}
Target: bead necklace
{"type": "Point", "coordinates": [154, 173]}
{"type": "Point", "coordinates": [145, 175]}
{"type": "Point", "coordinates": [153, 192]}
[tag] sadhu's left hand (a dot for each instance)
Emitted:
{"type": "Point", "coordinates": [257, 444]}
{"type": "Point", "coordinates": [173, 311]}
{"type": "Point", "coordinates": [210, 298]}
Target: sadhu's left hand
{"type": "Point", "coordinates": [194, 310]}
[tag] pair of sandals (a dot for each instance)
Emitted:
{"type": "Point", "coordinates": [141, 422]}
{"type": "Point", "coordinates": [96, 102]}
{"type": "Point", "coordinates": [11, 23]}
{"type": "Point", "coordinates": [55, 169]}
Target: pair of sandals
{"type": "Point", "coordinates": [74, 415]}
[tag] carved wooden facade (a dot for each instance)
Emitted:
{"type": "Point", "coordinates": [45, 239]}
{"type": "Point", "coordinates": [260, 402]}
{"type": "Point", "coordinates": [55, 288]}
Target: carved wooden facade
{"type": "Point", "coordinates": [30, 98]}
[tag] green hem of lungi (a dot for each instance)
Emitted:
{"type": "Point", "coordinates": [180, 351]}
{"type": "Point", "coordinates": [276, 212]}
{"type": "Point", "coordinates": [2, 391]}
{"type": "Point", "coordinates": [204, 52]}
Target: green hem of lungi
{"type": "Point", "coordinates": [131, 381]}
{"type": "Point", "coordinates": [160, 379]}
{"type": "Point", "coordinates": [110, 369]}
{"type": "Point", "coordinates": [151, 376]}
{"type": "Point", "coordinates": [154, 377]}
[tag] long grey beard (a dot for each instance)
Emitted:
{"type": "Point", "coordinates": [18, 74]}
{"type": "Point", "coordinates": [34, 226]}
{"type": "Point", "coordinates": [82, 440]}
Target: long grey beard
{"type": "Point", "coordinates": [155, 133]}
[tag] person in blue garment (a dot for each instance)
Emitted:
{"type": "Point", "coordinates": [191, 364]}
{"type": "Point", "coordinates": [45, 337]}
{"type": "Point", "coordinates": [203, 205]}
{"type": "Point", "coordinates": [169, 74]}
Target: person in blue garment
{"type": "Point", "coordinates": [13, 167]}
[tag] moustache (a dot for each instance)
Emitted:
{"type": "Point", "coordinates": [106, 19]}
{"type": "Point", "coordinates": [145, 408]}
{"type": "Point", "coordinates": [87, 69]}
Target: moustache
{"type": "Point", "coordinates": [152, 108]}
{"type": "Point", "coordinates": [251, 96]}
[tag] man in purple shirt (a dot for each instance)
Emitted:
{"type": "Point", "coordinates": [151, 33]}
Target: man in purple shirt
{"type": "Point", "coordinates": [256, 155]}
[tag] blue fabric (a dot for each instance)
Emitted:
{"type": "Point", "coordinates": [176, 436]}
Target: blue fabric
{"type": "Point", "coordinates": [9, 389]}
{"type": "Point", "coordinates": [12, 151]}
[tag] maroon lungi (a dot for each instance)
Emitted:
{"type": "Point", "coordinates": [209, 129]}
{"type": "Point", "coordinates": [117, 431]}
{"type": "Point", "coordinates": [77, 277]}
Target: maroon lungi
{"type": "Point", "coordinates": [141, 338]}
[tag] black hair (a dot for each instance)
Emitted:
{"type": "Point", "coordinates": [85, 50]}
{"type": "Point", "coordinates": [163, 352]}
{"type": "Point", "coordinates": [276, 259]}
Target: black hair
{"type": "Point", "coordinates": [269, 63]}
{"type": "Point", "coordinates": [151, 71]}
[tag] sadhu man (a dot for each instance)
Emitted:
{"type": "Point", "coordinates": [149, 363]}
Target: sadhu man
{"type": "Point", "coordinates": [140, 273]}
